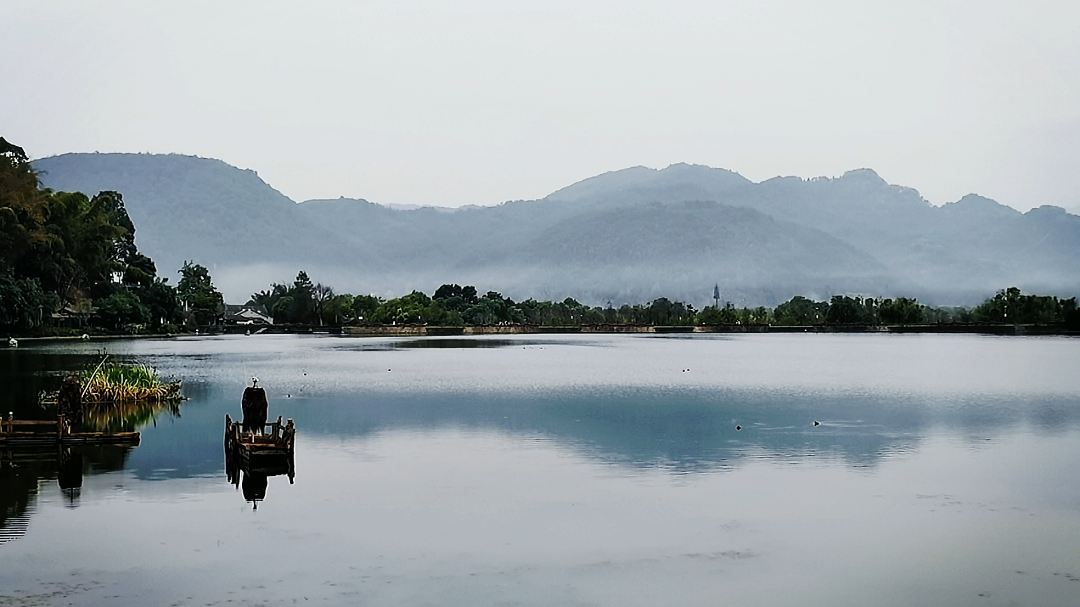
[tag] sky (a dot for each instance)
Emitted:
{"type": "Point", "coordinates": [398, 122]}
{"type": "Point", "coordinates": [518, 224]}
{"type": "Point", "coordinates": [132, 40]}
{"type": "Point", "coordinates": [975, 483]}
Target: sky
{"type": "Point", "coordinates": [478, 102]}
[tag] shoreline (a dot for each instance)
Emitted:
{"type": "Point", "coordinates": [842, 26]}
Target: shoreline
{"type": "Point", "coordinates": [465, 331]}
{"type": "Point", "coordinates": [435, 331]}
{"type": "Point", "coordinates": [110, 337]}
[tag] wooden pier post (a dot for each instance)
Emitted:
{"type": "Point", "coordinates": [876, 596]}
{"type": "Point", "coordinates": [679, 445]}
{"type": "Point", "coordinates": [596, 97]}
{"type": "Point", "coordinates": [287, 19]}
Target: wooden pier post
{"type": "Point", "coordinates": [290, 434]}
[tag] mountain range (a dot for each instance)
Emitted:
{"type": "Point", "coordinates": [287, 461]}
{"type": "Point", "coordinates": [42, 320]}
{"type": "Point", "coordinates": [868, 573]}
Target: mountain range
{"type": "Point", "coordinates": [624, 236]}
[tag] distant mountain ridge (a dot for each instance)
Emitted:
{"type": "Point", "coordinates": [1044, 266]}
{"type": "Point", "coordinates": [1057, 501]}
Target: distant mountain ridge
{"type": "Point", "coordinates": [623, 236]}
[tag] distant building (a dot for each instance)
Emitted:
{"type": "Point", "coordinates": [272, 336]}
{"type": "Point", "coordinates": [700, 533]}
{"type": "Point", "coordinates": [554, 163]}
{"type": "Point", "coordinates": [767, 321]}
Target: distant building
{"type": "Point", "coordinates": [247, 314]}
{"type": "Point", "coordinates": [74, 315]}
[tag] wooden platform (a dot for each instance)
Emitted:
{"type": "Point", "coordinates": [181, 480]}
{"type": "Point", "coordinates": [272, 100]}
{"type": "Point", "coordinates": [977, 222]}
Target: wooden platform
{"type": "Point", "coordinates": [48, 433]}
{"type": "Point", "coordinates": [274, 440]}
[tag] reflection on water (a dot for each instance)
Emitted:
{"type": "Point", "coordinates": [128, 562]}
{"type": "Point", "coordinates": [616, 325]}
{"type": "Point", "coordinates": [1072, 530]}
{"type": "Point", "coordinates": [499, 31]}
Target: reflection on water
{"type": "Point", "coordinates": [252, 478]}
{"type": "Point", "coordinates": [454, 343]}
{"type": "Point", "coordinates": [126, 416]}
{"type": "Point", "coordinates": [24, 470]}
{"type": "Point", "coordinates": [696, 430]}
{"type": "Point", "coordinates": [69, 474]}
{"type": "Point", "coordinates": [536, 471]}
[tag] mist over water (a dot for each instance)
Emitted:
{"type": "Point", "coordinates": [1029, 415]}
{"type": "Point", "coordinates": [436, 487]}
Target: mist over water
{"type": "Point", "coordinates": [610, 470]}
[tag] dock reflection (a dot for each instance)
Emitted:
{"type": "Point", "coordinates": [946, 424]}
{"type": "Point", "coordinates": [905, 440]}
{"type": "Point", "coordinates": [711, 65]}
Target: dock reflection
{"type": "Point", "coordinates": [252, 478]}
{"type": "Point", "coordinates": [23, 470]}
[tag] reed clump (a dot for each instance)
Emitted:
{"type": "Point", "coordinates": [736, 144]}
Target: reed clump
{"type": "Point", "coordinates": [125, 382]}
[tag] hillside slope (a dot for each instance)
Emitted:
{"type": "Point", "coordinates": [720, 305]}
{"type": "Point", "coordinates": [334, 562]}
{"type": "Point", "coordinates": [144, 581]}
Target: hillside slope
{"type": "Point", "coordinates": [624, 236]}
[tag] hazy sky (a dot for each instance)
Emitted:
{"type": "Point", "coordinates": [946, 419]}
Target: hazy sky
{"type": "Point", "coordinates": [478, 102]}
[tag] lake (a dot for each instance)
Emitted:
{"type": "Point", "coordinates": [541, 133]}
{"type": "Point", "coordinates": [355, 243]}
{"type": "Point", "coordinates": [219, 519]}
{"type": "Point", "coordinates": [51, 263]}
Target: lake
{"type": "Point", "coordinates": [568, 470]}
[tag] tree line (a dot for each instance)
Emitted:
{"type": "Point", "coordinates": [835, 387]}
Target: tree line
{"type": "Point", "coordinates": [1007, 306]}
{"type": "Point", "coordinates": [69, 261]}
{"type": "Point", "coordinates": [308, 303]}
{"type": "Point", "coordinates": [305, 302]}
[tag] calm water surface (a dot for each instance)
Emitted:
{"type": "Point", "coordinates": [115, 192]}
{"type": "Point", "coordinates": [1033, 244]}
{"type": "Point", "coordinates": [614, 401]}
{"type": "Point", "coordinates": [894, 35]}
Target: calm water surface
{"type": "Point", "coordinates": [574, 470]}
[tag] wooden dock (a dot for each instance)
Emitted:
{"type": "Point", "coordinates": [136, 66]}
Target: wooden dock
{"type": "Point", "coordinates": [49, 433]}
{"type": "Point", "coordinates": [275, 440]}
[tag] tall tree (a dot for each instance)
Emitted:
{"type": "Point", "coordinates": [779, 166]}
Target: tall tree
{"type": "Point", "coordinates": [60, 248]}
{"type": "Point", "coordinates": [202, 303]}
{"type": "Point", "coordinates": [364, 307]}
{"type": "Point", "coordinates": [302, 299]}
{"type": "Point", "coordinates": [320, 294]}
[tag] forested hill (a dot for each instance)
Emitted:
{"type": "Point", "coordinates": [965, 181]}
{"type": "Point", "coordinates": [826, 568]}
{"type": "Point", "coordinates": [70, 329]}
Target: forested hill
{"type": "Point", "coordinates": [625, 236]}
{"type": "Point", "coordinates": [200, 209]}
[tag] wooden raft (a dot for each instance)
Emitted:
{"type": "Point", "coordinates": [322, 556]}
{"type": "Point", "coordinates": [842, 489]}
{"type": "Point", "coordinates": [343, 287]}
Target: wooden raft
{"type": "Point", "coordinates": [47, 433]}
{"type": "Point", "coordinates": [275, 440]}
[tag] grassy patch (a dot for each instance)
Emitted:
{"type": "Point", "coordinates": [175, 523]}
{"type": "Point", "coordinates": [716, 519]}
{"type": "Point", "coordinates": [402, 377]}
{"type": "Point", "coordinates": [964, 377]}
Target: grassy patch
{"type": "Point", "coordinates": [125, 382]}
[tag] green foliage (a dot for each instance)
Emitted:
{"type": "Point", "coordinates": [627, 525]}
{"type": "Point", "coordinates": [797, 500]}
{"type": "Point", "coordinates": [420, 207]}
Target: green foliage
{"type": "Point", "coordinates": [140, 271]}
{"type": "Point", "coordinates": [23, 303]}
{"type": "Point", "coordinates": [663, 311]}
{"type": "Point", "coordinates": [1007, 306]}
{"type": "Point", "coordinates": [62, 249]}
{"type": "Point", "coordinates": [162, 303]}
{"type": "Point", "coordinates": [283, 309]}
{"type": "Point", "coordinates": [202, 303]}
{"type": "Point", "coordinates": [844, 310]}
{"type": "Point", "coordinates": [1012, 306]}
{"type": "Point", "coordinates": [301, 299]}
{"type": "Point", "coordinates": [125, 382]}
{"type": "Point", "coordinates": [269, 300]}
{"type": "Point", "coordinates": [1071, 313]}
{"type": "Point", "coordinates": [456, 305]}
{"type": "Point", "coordinates": [901, 311]}
{"type": "Point", "coordinates": [455, 297]}
{"type": "Point", "coordinates": [800, 311]}
{"type": "Point", "coordinates": [363, 308]}
{"type": "Point", "coordinates": [729, 315]}
{"type": "Point", "coordinates": [321, 295]}
{"type": "Point", "coordinates": [122, 308]}
{"type": "Point", "coordinates": [408, 309]}
{"type": "Point", "coordinates": [304, 302]}
{"type": "Point", "coordinates": [760, 316]}
{"type": "Point", "coordinates": [337, 310]}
